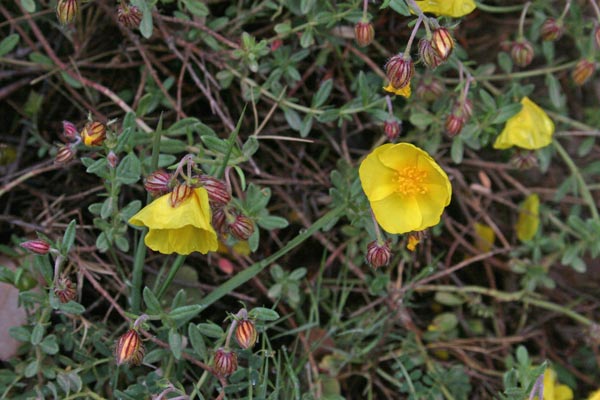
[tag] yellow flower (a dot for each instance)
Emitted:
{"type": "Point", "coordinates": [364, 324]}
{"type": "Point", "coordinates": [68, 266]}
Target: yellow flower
{"type": "Point", "coordinates": [407, 189]}
{"type": "Point", "coordinates": [484, 237]}
{"type": "Point", "coordinates": [413, 241]}
{"type": "Point", "coordinates": [403, 91]}
{"type": "Point", "coordinates": [530, 128]}
{"type": "Point", "coordinates": [181, 229]}
{"type": "Point", "coordinates": [529, 218]}
{"type": "Point", "coordinates": [448, 8]}
{"type": "Point", "coordinates": [553, 390]}
{"type": "Point", "coordinates": [595, 395]}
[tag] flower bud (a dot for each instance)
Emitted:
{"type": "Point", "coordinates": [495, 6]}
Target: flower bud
{"type": "Point", "coordinates": [551, 30]}
{"type": "Point", "coordinates": [129, 348]}
{"type": "Point", "coordinates": [64, 289]}
{"type": "Point", "coordinates": [521, 53]}
{"type": "Point", "coordinates": [129, 15]}
{"type": "Point", "coordinates": [378, 254]}
{"type": "Point", "coordinates": [93, 133]}
{"type": "Point", "coordinates": [392, 129]}
{"type": "Point", "coordinates": [218, 195]}
{"type": "Point", "coordinates": [364, 33]}
{"type": "Point", "coordinates": [66, 11]}
{"type": "Point", "coordinates": [69, 130]}
{"type": "Point", "coordinates": [428, 55]}
{"type": "Point", "coordinates": [64, 155]}
{"type": "Point", "coordinates": [454, 124]}
{"type": "Point", "coordinates": [597, 36]}
{"type": "Point", "coordinates": [430, 89]}
{"type": "Point", "coordinates": [242, 227]}
{"type": "Point", "coordinates": [112, 159]}
{"type": "Point", "coordinates": [399, 70]}
{"type": "Point", "coordinates": [157, 183]}
{"type": "Point", "coordinates": [583, 70]}
{"type": "Point", "coordinates": [225, 362]}
{"type": "Point", "coordinates": [179, 194]}
{"type": "Point", "coordinates": [219, 220]}
{"type": "Point", "coordinates": [442, 42]}
{"type": "Point", "coordinates": [524, 159]}
{"type": "Point", "coordinates": [245, 333]}
{"type": "Point", "coordinates": [466, 108]}
{"type": "Point", "coordinates": [37, 246]}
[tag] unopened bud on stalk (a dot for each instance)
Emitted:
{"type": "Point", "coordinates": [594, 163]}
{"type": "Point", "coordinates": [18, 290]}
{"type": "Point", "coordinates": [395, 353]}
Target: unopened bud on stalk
{"type": "Point", "coordinates": [242, 227]}
{"type": "Point", "coordinates": [583, 70]}
{"type": "Point", "coordinates": [64, 154]}
{"type": "Point", "coordinates": [521, 53]}
{"type": "Point", "coordinates": [225, 362]}
{"type": "Point", "coordinates": [64, 289]}
{"type": "Point", "coordinates": [442, 42]}
{"type": "Point", "coordinates": [93, 133]}
{"type": "Point", "coordinates": [551, 29]}
{"type": "Point", "coordinates": [454, 124]}
{"type": "Point", "coordinates": [428, 55]}
{"type": "Point", "coordinates": [129, 348]}
{"type": "Point", "coordinates": [179, 194]}
{"type": "Point", "coordinates": [364, 33]}
{"type": "Point", "coordinates": [245, 333]}
{"type": "Point", "coordinates": [66, 11]}
{"type": "Point", "coordinates": [129, 15]}
{"type": "Point", "coordinates": [69, 130]}
{"type": "Point", "coordinates": [218, 195]}
{"type": "Point", "coordinates": [219, 220]}
{"type": "Point", "coordinates": [378, 254]}
{"type": "Point", "coordinates": [37, 246]}
{"type": "Point", "coordinates": [399, 70]}
{"type": "Point", "coordinates": [392, 129]}
{"type": "Point", "coordinates": [430, 89]}
{"type": "Point", "coordinates": [112, 159]}
{"type": "Point", "coordinates": [157, 183]}
{"type": "Point", "coordinates": [524, 159]}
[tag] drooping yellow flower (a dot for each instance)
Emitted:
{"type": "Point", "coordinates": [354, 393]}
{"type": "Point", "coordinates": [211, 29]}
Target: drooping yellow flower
{"type": "Point", "coordinates": [530, 128]}
{"type": "Point", "coordinates": [484, 237]}
{"type": "Point", "coordinates": [529, 218]}
{"type": "Point", "coordinates": [447, 8]}
{"type": "Point", "coordinates": [182, 229]}
{"type": "Point", "coordinates": [403, 91]}
{"type": "Point", "coordinates": [407, 189]}
{"type": "Point", "coordinates": [553, 390]}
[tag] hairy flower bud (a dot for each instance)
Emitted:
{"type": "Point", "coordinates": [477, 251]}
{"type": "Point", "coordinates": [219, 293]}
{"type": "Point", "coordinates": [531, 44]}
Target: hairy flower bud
{"type": "Point", "coordinates": [430, 89]}
{"type": "Point", "coordinates": [364, 33]}
{"type": "Point", "coordinates": [179, 194]}
{"type": "Point", "coordinates": [454, 124]}
{"type": "Point", "coordinates": [399, 70]}
{"type": "Point", "coordinates": [242, 227]}
{"type": "Point", "coordinates": [69, 130]}
{"type": "Point", "coordinates": [93, 133]}
{"type": "Point", "coordinates": [218, 195]}
{"type": "Point", "coordinates": [392, 129]}
{"type": "Point", "coordinates": [245, 333]}
{"type": "Point", "coordinates": [219, 220]}
{"type": "Point", "coordinates": [442, 42]}
{"type": "Point", "coordinates": [597, 36]}
{"type": "Point", "coordinates": [583, 70]}
{"type": "Point", "coordinates": [225, 362]}
{"type": "Point", "coordinates": [157, 183]}
{"type": "Point", "coordinates": [129, 15]}
{"type": "Point", "coordinates": [64, 154]}
{"type": "Point", "coordinates": [428, 55]}
{"type": "Point", "coordinates": [37, 246]}
{"type": "Point", "coordinates": [551, 29]}
{"type": "Point", "coordinates": [64, 289]}
{"type": "Point", "coordinates": [521, 53]}
{"type": "Point", "coordinates": [112, 159]}
{"type": "Point", "coordinates": [66, 11]}
{"type": "Point", "coordinates": [129, 348]}
{"type": "Point", "coordinates": [378, 254]}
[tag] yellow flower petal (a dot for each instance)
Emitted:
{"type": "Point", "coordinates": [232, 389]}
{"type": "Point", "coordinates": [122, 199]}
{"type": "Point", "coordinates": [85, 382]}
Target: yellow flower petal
{"type": "Point", "coordinates": [182, 229]}
{"type": "Point", "coordinates": [413, 241]}
{"type": "Point", "coordinates": [563, 392]}
{"type": "Point", "coordinates": [530, 128]}
{"type": "Point", "coordinates": [396, 214]}
{"type": "Point", "coordinates": [529, 218]}
{"type": "Point", "coordinates": [595, 395]}
{"type": "Point", "coordinates": [448, 8]}
{"type": "Point", "coordinates": [377, 178]}
{"type": "Point", "coordinates": [484, 237]}
{"type": "Point", "coordinates": [403, 91]}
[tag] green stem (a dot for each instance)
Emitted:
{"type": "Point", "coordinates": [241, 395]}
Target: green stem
{"type": "Point", "coordinates": [250, 272]}
{"type": "Point", "coordinates": [585, 192]}
{"type": "Point", "coordinates": [172, 272]}
{"type": "Point", "coordinates": [497, 9]}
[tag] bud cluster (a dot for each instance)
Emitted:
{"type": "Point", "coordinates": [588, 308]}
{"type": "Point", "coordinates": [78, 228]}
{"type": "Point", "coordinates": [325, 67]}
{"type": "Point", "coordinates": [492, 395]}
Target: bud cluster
{"type": "Point", "coordinates": [436, 50]}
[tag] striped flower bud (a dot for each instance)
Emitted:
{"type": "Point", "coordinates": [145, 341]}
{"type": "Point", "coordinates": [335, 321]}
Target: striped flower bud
{"type": "Point", "coordinates": [551, 30]}
{"type": "Point", "coordinates": [428, 55]}
{"type": "Point", "coordinates": [454, 124]}
{"type": "Point", "coordinates": [129, 348]}
{"type": "Point", "coordinates": [218, 195]}
{"type": "Point", "coordinates": [442, 42]}
{"type": "Point", "coordinates": [129, 15]}
{"type": "Point", "coordinates": [66, 11]}
{"type": "Point", "coordinates": [378, 254]}
{"type": "Point", "coordinates": [399, 70]}
{"type": "Point", "coordinates": [225, 362]}
{"type": "Point", "coordinates": [64, 289]}
{"type": "Point", "coordinates": [242, 227]}
{"type": "Point", "coordinates": [69, 130]}
{"type": "Point", "coordinates": [597, 36]}
{"type": "Point", "coordinates": [392, 129]}
{"type": "Point", "coordinates": [583, 70]}
{"type": "Point", "coordinates": [112, 159]}
{"type": "Point", "coordinates": [219, 220]}
{"type": "Point", "coordinates": [93, 133]}
{"type": "Point", "coordinates": [521, 53]}
{"type": "Point", "coordinates": [37, 246]}
{"type": "Point", "coordinates": [364, 33]}
{"type": "Point", "coordinates": [64, 154]}
{"type": "Point", "coordinates": [179, 194]}
{"type": "Point", "coordinates": [157, 183]}
{"type": "Point", "coordinates": [245, 333]}
{"type": "Point", "coordinates": [430, 89]}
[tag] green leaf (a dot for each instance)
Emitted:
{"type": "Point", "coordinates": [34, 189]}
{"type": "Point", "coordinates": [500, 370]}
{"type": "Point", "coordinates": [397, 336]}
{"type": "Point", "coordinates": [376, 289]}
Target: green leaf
{"type": "Point", "coordinates": [49, 345]}
{"type": "Point", "coordinates": [28, 5]}
{"type": "Point", "coordinates": [196, 7]}
{"type": "Point", "coordinates": [263, 314]}
{"type": "Point", "coordinates": [400, 7]}
{"type": "Point", "coordinates": [8, 44]}
{"type": "Point", "coordinates": [554, 90]}
{"type": "Point", "coordinates": [293, 119]}
{"type": "Point", "coordinates": [69, 80]}
{"type": "Point", "coordinates": [215, 144]}
{"type": "Point", "coordinates": [283, 28]}
{"type": "Point", "coordinates": [37, 334]}
{"type": "Point", "coordinates": [271, 222]}
{"type": "Point", "coordinates": [71, 307]}
{"type": "Point", "coordinates": [504, 113]}
{"type": "Point", "coordinates": [68, 238]}
{"type": "Point", "coordinates": [129, 169]}
{"type": "Point", "coordinates": [457, 150]}
{"type": "Point", "coordinates": [185, 312]}
{"type": "Point", "coordinates": [130, 209]}
{"type": "Point", "coordinates": [210, 329]}
{"type": "Point", "coordinates": [322, 94]}
{"type": "Point", "coordinates": [197, 341]}
{"type": "Point", "coordinates": [175, 343]}
{"type": "Point", "coordinates": [448, 299]}
{"type": "Point", "coordinates": [31, 369]}
{"type": "Point", "coordinates": [152, 304]}
{"type": "Point", "coordinates": [146, 26]}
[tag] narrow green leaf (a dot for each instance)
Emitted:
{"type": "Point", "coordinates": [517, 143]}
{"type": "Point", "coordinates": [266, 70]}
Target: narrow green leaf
{"type": "Point", "coordinates": [175, 343]}
{"type": "Point", "coordinates": [152, 303]}
{"type": "Point", "coordinates": [28, 5]}
{"type": "Point", "coordinates": [263, 314]}
{"type": "Point", "coordinates": [8, 44]}
{"type": "Point", "coordinates": [197, 341]}
{"type": "Point", "coordinates": [68, 238]}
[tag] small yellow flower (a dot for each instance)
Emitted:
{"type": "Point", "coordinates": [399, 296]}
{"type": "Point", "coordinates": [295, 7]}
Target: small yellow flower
{"type": "Point", "coordinates": [484, 237]}
{"type": "Point", "coordinates": [182, 229]}
{"type": "Point", "coordinates": [595, 395]}
{"type": "Point", "coordinates": [553, 390]}
{"type": "Point", "coordinates": [529, 218]}
{"type": "Point", "coordinates": [403, 91]}
{"type": "Point", "coordinates": [530, 128]}
{"type": "Point", "coordinates": [407, 189]}
{"type": "Point", "coordinates": [413, 241]}
{"type": "Point", "coordinates": [447, 8]}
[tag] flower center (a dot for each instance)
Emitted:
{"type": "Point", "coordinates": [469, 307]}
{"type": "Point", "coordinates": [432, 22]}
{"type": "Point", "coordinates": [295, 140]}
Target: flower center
{"type": "Point", "coordinates": [410, 181]}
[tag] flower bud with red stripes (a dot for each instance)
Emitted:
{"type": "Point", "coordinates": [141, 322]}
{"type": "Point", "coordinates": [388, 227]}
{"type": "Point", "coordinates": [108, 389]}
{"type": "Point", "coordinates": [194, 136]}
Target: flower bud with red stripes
{"type": "Point", "coordinates": [378, 254]}
{"type": "Point", "coordinates": [157, 183]}
{"type": "Point", "coordinates": [442, 42]}
{"type": "Point", "coordinates": [364, 33]}
{"type": "Point", "coordinates": [37, 246]}
{"type": "Point", "coordinates": [218, 195]}
{"type": "Point", "coordinates": [392, 128]}
{"type": "Point", "coordinates": [69, 130]}
{"type": "Point", "coordinates": [64, 289]}
{"type": "Point", "coordinates": [129, 348]}
{"type": "Point", "coordinates": [242, 227]}
{"type": "Point", "coordinates": [93, 133]}
{"type": "Point", "coordinates": [428, 55]}
{"type": "Point", "coordinates": [552, 29]}
{"type": "Point", "coordinates": [129, 15]}
{"type": "Point", "coordinates": [66, 11]}
{"type": "Point", "coordinates": [521, 53]}
{"type": "Point", "coordinates": [225, 362]}
{"type": "Point", "coordinates": [245, 333]}
{"type": "Point", "coordinates": [583, 70]}
{"type": "Point", "coordinates": [399, 70]}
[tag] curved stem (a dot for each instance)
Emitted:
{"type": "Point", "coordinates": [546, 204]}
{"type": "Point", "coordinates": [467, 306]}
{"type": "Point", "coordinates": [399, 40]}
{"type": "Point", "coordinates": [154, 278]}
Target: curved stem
{"type": "Point", "coordinates": [566, 9]}
{"type": "Point", "coordinates": [412, 37]}
{"type": "Point", "coordinates": [522, 19]}
{"type": "Point", "coordinates": [596, 9]}
{"type": "Point", "coordinates": [497, 9]}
